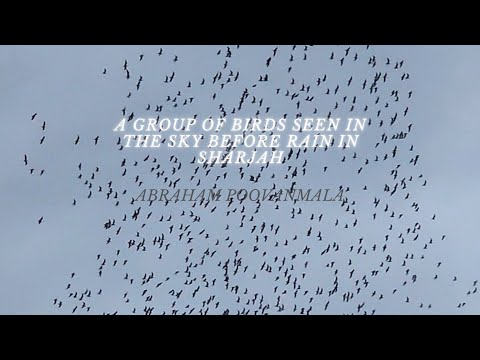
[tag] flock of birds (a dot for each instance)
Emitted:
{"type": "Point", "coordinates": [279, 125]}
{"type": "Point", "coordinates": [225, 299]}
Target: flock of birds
{"type": "Point", "coordinates": [259, 257]}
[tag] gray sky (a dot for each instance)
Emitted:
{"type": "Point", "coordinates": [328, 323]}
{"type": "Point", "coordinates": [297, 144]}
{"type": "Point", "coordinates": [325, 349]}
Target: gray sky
{"type": "Point", "coordinates": [65, 86]}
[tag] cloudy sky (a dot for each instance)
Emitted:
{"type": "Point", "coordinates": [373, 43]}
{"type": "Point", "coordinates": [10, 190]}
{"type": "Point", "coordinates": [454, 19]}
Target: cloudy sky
{"type": "Point", "coordinates": [66, 87]}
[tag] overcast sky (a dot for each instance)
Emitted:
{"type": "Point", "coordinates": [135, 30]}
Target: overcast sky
{"type": "Point", "coordinates": [66, 87]}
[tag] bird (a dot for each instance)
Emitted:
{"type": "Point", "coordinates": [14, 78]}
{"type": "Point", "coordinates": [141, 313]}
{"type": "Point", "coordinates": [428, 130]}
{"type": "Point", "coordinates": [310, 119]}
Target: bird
{"type": "Point", "coordinates": [263, 256]}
